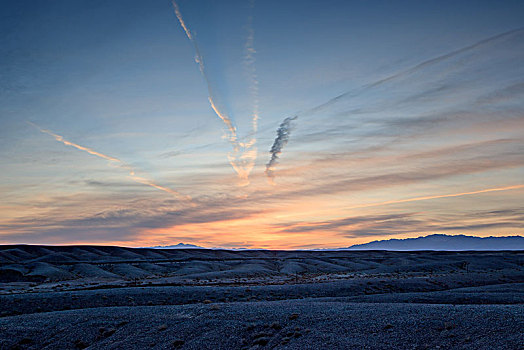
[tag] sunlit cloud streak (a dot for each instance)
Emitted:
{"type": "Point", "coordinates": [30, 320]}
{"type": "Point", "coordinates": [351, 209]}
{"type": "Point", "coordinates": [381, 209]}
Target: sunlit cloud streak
{"type": "Point", "coordinates": [281, 140]}
{"type": "Point", "coordinates": [425, 198]}
{"type": "Point", "coordinates": [371, 224]}
{"type": "Point", "coordinates": [82, 148]}
{"type": "Point", "coordinates": [243, 157]}
{"type": "Point", "coordinates": [115, 161]}
{"type": "Point", "coordinates": [405, 177]}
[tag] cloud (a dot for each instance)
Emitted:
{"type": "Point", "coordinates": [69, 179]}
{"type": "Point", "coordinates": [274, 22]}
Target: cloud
{"type": "Point", "coordinates": [129, 218]}
{"type": "Point", "coordinates": [438, 196]}
{"type": "Point", "coordinates": [283, 133]}
{"type": "Point", "coordinates": [418, 67]}
{"type": "Point", "coordinates": [508, 93]}
{"type": "Point", "coordinates": [170, 154]}
{"type": "Point", "coordinates": [348, 221]}
{"type": "Point", "coordinates": [338, 183]}
{"type": "Point", "coordinates": [410, 222]}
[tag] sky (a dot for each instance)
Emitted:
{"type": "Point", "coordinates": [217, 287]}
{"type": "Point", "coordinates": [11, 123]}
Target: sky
{"type": "Point", "coordinates": [260, 124]}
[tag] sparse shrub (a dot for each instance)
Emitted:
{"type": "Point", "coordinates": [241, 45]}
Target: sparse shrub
{"type": "Point", "coordinates": [449, 325]}
{"type": "Point", "coordinates": [25, 341]}
{"type": "Point", "coordinates": [261, 341]}
{"type": "Point", "coordinates": [293, 317]}
{"type": "Point", "coordinates": [109, 332]}
{"type": "Point", "coordinates": [122, 323]}
{"type": "Point", "coordinates": [178, 343]}
{"type": "Point", "coordinates": [261, 335]}
{"type": "Point", "coordinates": [276, 326]}
{"type": "Point", "coordinates": [80, 344]}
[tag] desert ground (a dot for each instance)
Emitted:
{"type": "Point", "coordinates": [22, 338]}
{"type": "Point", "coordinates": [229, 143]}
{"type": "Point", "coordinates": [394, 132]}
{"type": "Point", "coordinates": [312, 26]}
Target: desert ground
{"type": "Point", "coordinates": [97, 297]}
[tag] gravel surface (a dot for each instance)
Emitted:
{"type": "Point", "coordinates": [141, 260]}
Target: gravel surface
{"type": "Point", "coordinates": [298, 324]}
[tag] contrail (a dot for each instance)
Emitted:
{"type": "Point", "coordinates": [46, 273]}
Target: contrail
{"type": "Point", "coordinates": [82, 148]}
{"type": "Point", "coordinates": [242, 159]}
{"type": "Point", "coordinates": [181, 20]}
{"type": "Point", "coordinates": [249, 154]}
{"type": "Point", "coordinates": [281, 140]}
{"type": "Point", "coordinates": [414, 69]}
{"type": "Point", "coordinates": [424, 198]}
{"type": "Point", "coordinates": [200, 62]}
{"type": "Point", "coordinates": [114, 161]}
{"type": "Point", "coordinates": [249, 60]}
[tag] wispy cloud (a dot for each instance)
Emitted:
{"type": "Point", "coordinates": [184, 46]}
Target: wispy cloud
{"type": "Point", "coordinates": [283, 133]}
{"type": "Point", "coordinates": [416, 68]}
{"type": "Point", "coordinates": [438, 196]}
{"type": "Point", "coordinates": [409, 222]}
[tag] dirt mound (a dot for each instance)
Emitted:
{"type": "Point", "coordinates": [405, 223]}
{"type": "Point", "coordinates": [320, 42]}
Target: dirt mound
{"type": "Point", "coordinates": [49, 272]}
{"type": "Point", "coordinates": [88, 270]}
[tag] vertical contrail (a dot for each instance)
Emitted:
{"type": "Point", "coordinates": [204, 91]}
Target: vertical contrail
{"type": "Point", "coordinates": [200, 62]}
{"type": "Point", "coordinates": [242, 159]}
{"type": "Point", "coordinates": [113, 160]}
{"type": "Point", "coordinates": [249, 60]}
{"type": "Point", "coordinates": [249, 154]}
{"type": "Point", "coordinates": [281, 140]}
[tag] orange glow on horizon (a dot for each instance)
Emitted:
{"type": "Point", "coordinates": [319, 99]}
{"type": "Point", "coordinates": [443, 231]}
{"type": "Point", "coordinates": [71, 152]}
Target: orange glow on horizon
{"type": "Point", "coordinates": [260, 230]}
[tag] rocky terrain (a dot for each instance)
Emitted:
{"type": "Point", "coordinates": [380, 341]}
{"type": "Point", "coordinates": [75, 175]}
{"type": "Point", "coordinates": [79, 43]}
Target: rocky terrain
{"type": "Point", "coordinates": [75, 297]}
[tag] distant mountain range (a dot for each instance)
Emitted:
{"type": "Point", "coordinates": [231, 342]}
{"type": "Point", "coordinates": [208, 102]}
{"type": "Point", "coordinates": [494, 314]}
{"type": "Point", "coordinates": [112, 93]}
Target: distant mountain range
{"type": "Point", "coordinates": [178, 246]}
{"type": "Point", "coordinates": [445, 242]}
{"type": "Point", "coordinates": [192, 246]}
{"type": "Point", "coordinates": [431, 242]}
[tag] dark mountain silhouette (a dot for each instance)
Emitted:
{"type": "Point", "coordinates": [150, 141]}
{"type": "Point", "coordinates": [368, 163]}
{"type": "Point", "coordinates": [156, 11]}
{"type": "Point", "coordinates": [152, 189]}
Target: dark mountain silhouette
{"type": "Point", "coordinates": [445, 242]}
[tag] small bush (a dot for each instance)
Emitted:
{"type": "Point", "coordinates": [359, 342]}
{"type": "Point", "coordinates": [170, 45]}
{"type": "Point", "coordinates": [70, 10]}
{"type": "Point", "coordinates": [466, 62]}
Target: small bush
{"type": "Point", "coordinates": [293, 317]}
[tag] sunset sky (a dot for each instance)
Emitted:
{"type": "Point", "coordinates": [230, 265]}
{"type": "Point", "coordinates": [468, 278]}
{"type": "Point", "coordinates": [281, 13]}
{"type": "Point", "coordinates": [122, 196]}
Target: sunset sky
{"type": "Point", "coordinates": [145, 123]}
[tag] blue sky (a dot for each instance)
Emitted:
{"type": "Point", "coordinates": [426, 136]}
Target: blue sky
{"type": "Point", "coordinates": [431, 105]}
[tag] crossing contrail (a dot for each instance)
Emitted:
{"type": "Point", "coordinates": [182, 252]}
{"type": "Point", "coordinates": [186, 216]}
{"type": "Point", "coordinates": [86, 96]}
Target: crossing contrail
{"type": "Point", "coordinates": [200, 62]}
{"type": "Point", "coordinates": [115, 161]}
{"type": "Point", "coordinates": [243, 156]}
